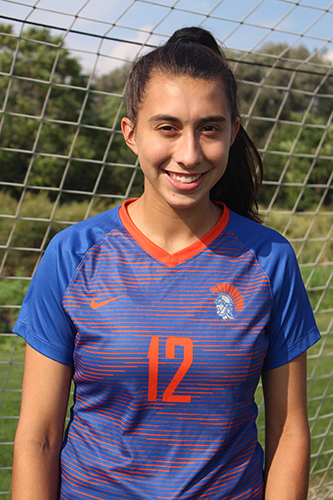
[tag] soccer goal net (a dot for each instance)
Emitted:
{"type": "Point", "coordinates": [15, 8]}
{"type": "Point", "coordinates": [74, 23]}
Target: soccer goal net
{"type": "Point", "coordinates": [63, 67]}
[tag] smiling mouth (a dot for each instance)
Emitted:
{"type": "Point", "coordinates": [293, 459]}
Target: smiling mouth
{"type": "Point", "coordinates": [186, 179]}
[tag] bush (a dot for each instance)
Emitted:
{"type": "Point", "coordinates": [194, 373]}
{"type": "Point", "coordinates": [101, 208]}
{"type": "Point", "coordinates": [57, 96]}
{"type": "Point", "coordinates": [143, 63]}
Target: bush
{"type": "Point", "coordinates": [27, 233]}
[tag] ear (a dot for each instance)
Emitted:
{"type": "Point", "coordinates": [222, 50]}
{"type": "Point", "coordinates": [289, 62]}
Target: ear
{"type": "Point", "coordinates": [235, 128]}
{"type": "Point", "coordinates": [127, 128]}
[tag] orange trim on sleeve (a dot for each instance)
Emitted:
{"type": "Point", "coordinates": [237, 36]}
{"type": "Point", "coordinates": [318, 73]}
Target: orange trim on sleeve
{"type": "Point", "coordinates": [181, 256]}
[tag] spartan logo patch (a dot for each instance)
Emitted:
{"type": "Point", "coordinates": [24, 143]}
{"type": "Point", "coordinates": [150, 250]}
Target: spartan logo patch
{"type": "Point", "coordinates": [228, 300]}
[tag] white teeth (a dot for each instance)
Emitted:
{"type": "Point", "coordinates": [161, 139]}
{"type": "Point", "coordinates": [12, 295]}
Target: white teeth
{"type": "Point", "coordinates": [185, 179]}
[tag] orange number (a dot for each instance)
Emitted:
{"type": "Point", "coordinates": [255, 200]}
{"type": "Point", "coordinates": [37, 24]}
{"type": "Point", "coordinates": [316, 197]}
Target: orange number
{"type": "Point", "coordinates": [153, 355]}
{"type": "Point", "coordinates": [170, 344]}
{"type": "Point", "coordinates": [153, 368]}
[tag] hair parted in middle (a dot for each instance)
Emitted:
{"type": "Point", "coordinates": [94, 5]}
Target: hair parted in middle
{"type": "Point", "coordinates": [193, 52]}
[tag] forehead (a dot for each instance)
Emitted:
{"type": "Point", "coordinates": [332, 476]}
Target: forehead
{"type": "Point", "coordinates": [180, 93]}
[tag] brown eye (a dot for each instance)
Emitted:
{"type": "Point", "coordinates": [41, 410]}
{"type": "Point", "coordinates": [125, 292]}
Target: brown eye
{"type": "Point", "coordinates": [167, 128]}
{"type": "Point", "coordinates": [209, 128]}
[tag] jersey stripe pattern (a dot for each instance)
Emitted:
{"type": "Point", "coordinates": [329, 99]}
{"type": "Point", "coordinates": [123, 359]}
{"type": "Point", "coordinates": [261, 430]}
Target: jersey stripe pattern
{"type": "Point", "coordinates": [167, 351]}
{"type": "Point", "coordinates": [167, 359]}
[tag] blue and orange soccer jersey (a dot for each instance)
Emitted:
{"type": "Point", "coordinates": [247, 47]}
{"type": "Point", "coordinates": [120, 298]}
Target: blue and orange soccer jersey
{"type": "Point", "coordinates": [167, 352]}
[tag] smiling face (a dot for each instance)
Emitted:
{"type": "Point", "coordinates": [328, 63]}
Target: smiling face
{"type": "Point", "coordinates": [182, 137]}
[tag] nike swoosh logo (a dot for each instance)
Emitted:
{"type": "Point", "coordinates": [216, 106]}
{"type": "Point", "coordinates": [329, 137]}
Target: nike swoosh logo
{"type": "Point", "coordinates": [97, 305]}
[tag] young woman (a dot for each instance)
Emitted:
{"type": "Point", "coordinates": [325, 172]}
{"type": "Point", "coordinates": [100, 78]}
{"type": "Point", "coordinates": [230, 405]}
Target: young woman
{"type": "Point", "coordinates": [166, 312]}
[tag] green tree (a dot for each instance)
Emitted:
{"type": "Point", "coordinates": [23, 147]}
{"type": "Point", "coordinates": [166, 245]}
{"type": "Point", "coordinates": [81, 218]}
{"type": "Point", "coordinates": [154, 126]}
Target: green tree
{"type": "Point", "coordinates": [50, 131]}
{"type": "Point", "coordinates": [309, 166]}
{"type": "Point", "coordinates": [280, 83]}
{"type": "Point", "coordinates": [110, 104]}
{"type": "Point", "coordinates": [44, 86]}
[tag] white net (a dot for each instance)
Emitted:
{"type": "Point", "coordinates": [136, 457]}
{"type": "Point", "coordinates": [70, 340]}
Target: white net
{"type": "Point", "coordinates": [63, 67]}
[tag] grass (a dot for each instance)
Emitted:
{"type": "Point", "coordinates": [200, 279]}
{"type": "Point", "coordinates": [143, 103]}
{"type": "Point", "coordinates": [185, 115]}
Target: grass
{"type": "Point", "coordinates": [320, 410]}
{"type": "Point", "coordinates": [320, 396]}
{"type": "Point", "coordinates": [312, 238]}
{"type": "Point", "coordinates": [11, 375]}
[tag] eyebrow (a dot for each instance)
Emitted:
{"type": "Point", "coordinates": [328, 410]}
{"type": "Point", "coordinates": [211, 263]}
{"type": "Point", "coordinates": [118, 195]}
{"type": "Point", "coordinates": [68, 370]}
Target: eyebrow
{"type": "Point", "coordinates": [169, 118]}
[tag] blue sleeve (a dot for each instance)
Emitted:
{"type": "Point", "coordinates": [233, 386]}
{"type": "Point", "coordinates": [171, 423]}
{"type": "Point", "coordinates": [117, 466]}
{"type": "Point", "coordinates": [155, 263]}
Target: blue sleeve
{"type": "Point", "coordinates": [42, 321]}
{"type": "Point", "coordinates": [292, 328]}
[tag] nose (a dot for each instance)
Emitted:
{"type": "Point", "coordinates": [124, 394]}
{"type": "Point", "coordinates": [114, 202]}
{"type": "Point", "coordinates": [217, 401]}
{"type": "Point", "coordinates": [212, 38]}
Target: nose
{"type": "Point", "coordinates": [188, 150]}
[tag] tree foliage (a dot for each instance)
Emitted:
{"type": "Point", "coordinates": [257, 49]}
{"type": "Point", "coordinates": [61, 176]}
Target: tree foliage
{"type": "Point", "coordinates": [279, 83]}
{"type": "Point", "coordinates": [51, 134]}
{"type": "Point", "coordinates": [298, 160]}
{"type": "Point", "coordinates": [58, 129]}
{"type": "Point", "coordinates": [287, 105]}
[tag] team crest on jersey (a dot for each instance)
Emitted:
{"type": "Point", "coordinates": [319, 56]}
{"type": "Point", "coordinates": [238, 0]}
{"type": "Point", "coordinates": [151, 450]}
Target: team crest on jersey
{"type": "Point", "coordinates": [228, 300]}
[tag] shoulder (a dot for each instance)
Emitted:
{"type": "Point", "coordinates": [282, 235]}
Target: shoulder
{"type": "Point", "coordinates": [78, 239]}
{"type": "Point", "coordinates": [268, 245]}
{"type": "Point", "coordinates": [90, 230]}
{"type": "Point", "coordinates": [255, 234]}
{"type": "Point", "coordinates": [43, 321]}
{"type": "Point", "coordinates": [69, 247]}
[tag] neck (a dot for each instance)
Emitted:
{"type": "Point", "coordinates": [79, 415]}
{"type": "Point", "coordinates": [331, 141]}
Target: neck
{"type": "Point", "coordinates": [173, 229]}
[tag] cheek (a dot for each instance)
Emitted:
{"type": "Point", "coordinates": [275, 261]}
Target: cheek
{"type": "Point", "coordinates": [218, 154]}
{"type": "Point", "coordinates": [154, 154]}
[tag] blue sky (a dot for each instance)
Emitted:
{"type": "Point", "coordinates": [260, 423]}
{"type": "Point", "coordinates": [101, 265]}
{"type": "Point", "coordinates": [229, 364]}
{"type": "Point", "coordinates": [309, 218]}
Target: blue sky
{"type": "Point", "coordinates": [240, 24]}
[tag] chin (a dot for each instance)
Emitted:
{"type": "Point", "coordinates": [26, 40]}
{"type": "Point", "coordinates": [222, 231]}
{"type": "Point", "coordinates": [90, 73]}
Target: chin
{"type": "Point", "coordinates": [185, 203]}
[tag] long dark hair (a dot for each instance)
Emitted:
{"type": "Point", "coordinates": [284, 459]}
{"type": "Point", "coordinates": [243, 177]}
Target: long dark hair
{"type": "Point", "coordinates": [194, 52]}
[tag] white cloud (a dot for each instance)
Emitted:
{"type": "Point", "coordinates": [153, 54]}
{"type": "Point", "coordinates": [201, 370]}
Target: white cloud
{"type": "Point", "coordinates": [329, 56]}
{"type": "Point", "coordinates": [120, 52]}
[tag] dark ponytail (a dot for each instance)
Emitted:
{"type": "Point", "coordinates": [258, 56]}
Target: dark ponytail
{"type": "Point", "coordinates": [239, 186]}
{"type": "Point", "coordinates": [194, 52]}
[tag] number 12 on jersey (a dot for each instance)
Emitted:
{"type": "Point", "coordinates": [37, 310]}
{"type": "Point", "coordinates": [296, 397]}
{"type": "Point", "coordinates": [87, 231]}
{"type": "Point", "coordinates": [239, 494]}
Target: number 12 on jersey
{"type": "Point", "coordinates": [153, 355]}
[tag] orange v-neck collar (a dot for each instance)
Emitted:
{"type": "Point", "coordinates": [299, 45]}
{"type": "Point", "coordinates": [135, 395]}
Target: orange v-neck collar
{"type": "Point", "coordinates": [181, 256]}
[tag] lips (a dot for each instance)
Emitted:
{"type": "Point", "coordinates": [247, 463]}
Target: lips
{"type": "Point", "coordinates": [185, 179]}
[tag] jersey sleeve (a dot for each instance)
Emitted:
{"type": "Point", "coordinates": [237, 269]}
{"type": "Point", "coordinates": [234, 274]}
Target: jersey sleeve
{"type": "Point", "coordinates": [42, 321]}
{"type": "Point", "coordinates": [292, 328]}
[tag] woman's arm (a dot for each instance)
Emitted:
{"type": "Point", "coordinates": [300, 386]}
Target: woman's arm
{"type": "Point", "coordinates": [287, 443]}
{"type": "Point", "coordinates": [38, 440]}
